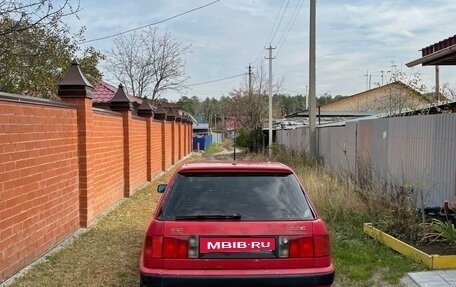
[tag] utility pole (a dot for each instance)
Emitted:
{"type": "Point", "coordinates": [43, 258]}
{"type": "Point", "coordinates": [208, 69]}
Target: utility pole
{"type": "Point", "coordinates": [437, 83]}
{"type": "Point", "coordinates": [367, 79]}
{"type": "Point", "coordinates": [249, 108]}
{"type": "Point", "coordinates": [270, 97]}
{"type": "Point", "coordinates": [370, 80]}
{"type": "Point", "coordinates": [250, 80]}
{"type": "Point", "coordinates": [382, 77]}
{"type": "Point", "coordinates": [250, 93]}
{"type": "Point", "coordinates": [393, 70]}
{"type": "Point", "coordinates": [307, 98]}
{"type": "Point", "coordinates": [312, 80]}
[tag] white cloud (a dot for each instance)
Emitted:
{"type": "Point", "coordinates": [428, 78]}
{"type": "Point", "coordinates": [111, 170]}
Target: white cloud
{"type": "Point", "coordinates": [353, 36]}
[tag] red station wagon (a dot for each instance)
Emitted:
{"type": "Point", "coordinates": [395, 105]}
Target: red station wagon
{"type": "Point", "coordinates": [235, 224]}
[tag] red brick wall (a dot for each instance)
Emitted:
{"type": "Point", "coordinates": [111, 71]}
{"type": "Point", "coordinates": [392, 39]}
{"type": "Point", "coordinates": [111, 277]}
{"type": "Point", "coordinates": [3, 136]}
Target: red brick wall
{"type": "Point", "coordinates": [38, 181]}
{"type": "Point", "coordinates": [108, 150]}
{"type": "Point", "coordinates": [176, 142]}
{"type": "Point", "coordinates": [156, 147]}
{"type": "Point", "coordinates": [168, 144]}
{"type": "Point", "coordinates": [138, 153]}
{"type": "Point", "coordinates": [62, 165]}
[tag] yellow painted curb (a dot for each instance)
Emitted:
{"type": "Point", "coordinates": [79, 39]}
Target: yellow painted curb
{"type": "Point", "coordinates": [431, 261]}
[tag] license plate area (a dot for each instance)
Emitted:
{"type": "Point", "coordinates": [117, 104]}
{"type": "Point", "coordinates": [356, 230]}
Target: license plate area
{"type": "Point", "coordinates": [237, 247]}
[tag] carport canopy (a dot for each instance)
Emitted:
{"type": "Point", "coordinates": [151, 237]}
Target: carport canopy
{"type": "Point", "coordinates": [437, 54]}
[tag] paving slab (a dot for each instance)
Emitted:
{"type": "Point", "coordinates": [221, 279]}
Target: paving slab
{"type": "Point", "coordinates": [435, 278]}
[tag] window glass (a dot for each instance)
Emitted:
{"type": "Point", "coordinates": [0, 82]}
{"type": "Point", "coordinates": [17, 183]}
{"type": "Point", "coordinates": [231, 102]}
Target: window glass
{"type": "Point", "coordinates": [253, 196]}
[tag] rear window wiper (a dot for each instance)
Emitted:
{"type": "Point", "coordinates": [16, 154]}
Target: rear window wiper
{"type": "Point", "coordinates": [208, 217]}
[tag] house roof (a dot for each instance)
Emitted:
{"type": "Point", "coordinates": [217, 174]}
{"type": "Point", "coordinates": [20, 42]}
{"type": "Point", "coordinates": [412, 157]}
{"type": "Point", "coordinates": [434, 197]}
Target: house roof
{"type": "Point", "coordinates": [104, 92]}
{"type": "Point", "coordinates": [440, 53]}
{"type": "Point", "coordinates": [397, 83]}
{"type": "Point", "coordinates": [343, 115]}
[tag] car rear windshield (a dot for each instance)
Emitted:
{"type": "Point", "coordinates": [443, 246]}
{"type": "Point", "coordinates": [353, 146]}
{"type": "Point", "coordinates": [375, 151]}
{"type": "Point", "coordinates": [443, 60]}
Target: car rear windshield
{"type": "Point", "coordinates": [240, 196]}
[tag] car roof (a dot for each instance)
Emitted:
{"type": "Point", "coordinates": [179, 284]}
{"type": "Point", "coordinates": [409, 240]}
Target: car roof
{"type": "Point", "coordinates": [243, 166]}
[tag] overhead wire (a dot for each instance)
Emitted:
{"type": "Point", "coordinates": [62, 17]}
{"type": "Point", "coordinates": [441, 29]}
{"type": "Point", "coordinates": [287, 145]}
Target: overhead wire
{"type": "Point", "coordinates": [148, 25]}
{"type": "Point", "coordinates": [269, 39]}
{"type": "Point", "coordinates": [289, 26]}
{"type": "Point", "coordinates": [280, 22]}
{"type": "Point", "coordinates": [275, 21]}
{"type": "Point", "coordinates": [216, 80]}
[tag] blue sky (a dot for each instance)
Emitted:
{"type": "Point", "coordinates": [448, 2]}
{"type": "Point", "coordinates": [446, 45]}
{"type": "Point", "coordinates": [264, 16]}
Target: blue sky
{"type": "Point", "coordinates": [352, 37]}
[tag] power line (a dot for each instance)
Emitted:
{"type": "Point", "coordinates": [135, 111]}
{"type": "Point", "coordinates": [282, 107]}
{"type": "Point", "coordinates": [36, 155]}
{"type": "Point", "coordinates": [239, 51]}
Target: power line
{"type": "Point", "coordinates": [293, 91]}
{"type": "Point", "coordinates": [280, 22]}
{"type": "Point", "coordinates": [260, 57]}
{"type": "Point", "coordinates": [290, 25]}
{"type": "Point", "coordinates": [148, 25]}
{"type": "Point", "coordinates": [217, 80]}
{"type": "Point", "coordinates": [275, 21]}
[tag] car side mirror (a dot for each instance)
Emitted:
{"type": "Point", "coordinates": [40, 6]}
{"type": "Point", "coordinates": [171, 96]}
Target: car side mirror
{"type": "Point", "coordinates": [161, 188]}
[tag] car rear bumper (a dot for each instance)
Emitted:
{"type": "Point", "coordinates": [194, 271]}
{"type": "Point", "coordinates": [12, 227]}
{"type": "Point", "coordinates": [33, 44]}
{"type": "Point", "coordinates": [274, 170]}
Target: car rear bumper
{"type": "Point", "coordinates": [268, 279]}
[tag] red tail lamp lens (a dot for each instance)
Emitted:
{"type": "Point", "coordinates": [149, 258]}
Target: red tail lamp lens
{"type": "Point", "coordinates": [322, 246]}
{"type": "Point", "coordinates": [175, 248]}
{"type": "Point", "coordinates": [153, 246]}
{"type": "Point", "coordinates": [301, 247]}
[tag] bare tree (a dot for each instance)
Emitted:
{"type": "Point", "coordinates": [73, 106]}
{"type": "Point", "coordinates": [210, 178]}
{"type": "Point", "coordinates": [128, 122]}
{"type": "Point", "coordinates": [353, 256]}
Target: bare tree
{"type": "Point", "coordinates": [250, 109]}
{"type": "Point", "coordinates": [448, 92]}
{"type": "Point", "coordinates": [29, 14]}
{"type": "Point", "coordinates": [149, 63]}
{"type": "Point", "coordinates": [403, 92]}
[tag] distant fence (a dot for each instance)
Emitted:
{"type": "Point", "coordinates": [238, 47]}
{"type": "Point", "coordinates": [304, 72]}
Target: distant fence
{"type": "Point", "coordinates": [202, 142]}
{"type": "Point", "coordinates": [217, 138]}
{"type": "Point", "coordinates": [417, 151]}
{"type": "Point", "coordinates": [63, 163]}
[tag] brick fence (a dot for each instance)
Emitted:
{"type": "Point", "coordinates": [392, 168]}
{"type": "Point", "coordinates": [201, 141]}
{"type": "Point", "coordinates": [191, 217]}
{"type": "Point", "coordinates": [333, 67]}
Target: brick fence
{"type": "Point", "coordinates": [63, 163]}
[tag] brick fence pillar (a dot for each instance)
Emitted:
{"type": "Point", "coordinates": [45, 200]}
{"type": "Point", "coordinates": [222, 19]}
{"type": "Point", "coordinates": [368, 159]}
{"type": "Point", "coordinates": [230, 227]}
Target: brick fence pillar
{"type": "Point", "coordinates": [121, 103]}
{"type": "Point", "coordinates": [146, 111]}
{"type": "Point", "coordinates": [179, 139]}
{"type": "Point", "coordinates": [185, 135]}
{"type": "Point", "coordinates": [74, 88]}
{"type": "Point", "coordinates": [190, 136]}
{"type": "Point", "coordinates": [171, 117]}
{"type": "Point", "coordinates": [160, 114]}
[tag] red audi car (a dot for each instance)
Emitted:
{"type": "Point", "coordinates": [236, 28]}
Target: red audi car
{"type": "Point", "coordinates": [235, 224]}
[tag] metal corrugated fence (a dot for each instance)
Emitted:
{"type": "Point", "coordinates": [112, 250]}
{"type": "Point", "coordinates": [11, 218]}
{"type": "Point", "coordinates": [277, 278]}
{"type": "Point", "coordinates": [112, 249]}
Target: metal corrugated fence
{"type": "Point", "coordinates": [418, 151]}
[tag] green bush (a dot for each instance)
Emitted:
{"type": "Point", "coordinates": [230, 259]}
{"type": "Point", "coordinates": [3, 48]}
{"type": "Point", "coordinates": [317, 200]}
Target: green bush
{"type": "Point", "coordinates": [440, 231]}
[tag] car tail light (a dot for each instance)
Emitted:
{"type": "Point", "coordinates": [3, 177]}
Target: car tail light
{"type": "Point", "coordinates": [152, 246]}
{"type": "Point", "coordinates": [157, 247]}
{"type": "Point", "coordinates": [304, 247]}
{"type": "Point", "coordinates": [301, 247]}
{"type": "Point", "coordinates": [175, 247]}
{"type": "Point", "coordinates": [322, 246]}
{"type": "Point", "coordinates": [153, 250]}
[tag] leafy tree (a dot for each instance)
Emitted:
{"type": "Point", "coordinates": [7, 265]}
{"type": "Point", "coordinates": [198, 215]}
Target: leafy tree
{"type": "Point", "coordinates": [285, 104]}
{"type": "Point", "coordinates": [326, 98]}
{"type": "Point", "coordinates": [149, 63]}
{"type": "Point", "coordinates": [34, 59]}
{"type": "Point", "coordinates": [251, 107]}
{"type": "Point", "coordinates": [191, 105]}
